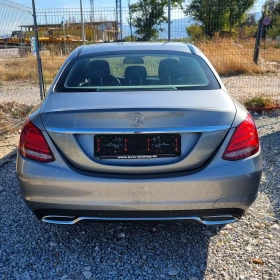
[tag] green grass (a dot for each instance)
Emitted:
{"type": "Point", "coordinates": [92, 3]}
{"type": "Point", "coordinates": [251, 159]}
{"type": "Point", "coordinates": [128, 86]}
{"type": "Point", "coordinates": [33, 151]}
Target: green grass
{"type": "Point", "coordinates": [259, 102]}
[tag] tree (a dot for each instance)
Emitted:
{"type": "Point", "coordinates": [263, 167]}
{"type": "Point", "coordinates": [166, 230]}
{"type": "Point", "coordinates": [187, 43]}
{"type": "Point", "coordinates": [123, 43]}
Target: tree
{"type": "Point", "coordinates": [147, 17]}
{"type": "Point", "coordinates": [129, 38]}
{"type": "Point", "coordinates": [271, 9]}
{"type": "Point", "coordinates": [195, 32]}
{"type": "Point", "coordinates": [218, 15]}
{"type": "Point", "coordinates": [274, 31]}
{"type": "Point", "coordinates": [248, 28]}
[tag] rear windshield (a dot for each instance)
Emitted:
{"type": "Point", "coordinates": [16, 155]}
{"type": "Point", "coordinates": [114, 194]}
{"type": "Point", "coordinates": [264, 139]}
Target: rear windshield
{"type": "Point", "coordinates": [137, 71]}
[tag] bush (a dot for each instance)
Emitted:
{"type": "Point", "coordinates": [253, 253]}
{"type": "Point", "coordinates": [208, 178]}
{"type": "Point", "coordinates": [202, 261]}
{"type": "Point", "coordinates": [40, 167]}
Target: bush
{"type": "Point", "coordinates": [248, 31]}
{"type": "Point", "coordinates": [195, 32]}
{"type": "Point", "coordinates": [258, 102]}
{"type": "Point", "coordinates": [12, 115]}
{"type": "Point", "coordinates": [275, 30]}
{"type": "Point", "coordinates": [130, 39]}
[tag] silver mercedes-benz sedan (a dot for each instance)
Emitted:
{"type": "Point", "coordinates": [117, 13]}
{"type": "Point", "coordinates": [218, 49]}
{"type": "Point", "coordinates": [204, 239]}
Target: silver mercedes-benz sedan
{"type": "Point", "coordinates": [139, 132]}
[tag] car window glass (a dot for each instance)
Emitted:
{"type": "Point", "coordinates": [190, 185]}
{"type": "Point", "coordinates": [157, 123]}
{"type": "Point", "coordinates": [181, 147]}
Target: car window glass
{"type": "Point", "coordinates": [142, 70]}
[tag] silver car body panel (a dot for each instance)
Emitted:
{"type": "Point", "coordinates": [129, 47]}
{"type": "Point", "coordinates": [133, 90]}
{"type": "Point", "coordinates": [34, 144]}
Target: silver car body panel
{"type": "Point", "coordinates": [222, 184]}
{"type": "Point", "coordinates": [219, 185]}
{"type": "Point", "coordinates": [72, 122]}
{"type": "Point", "coordinates": [198, 180]}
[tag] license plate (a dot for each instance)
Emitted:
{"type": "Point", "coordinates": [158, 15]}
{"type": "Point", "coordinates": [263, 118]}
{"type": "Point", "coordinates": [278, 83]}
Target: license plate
{"type": "Point", "coordinates": [137, 146]}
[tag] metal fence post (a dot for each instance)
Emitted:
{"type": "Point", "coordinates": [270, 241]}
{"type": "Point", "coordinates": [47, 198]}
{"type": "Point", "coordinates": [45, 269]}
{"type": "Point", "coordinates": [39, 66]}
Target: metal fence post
{"type": "Point", "coordinates": [258, 41]}
{"type": "Point", "coordinates": [39, 63]}
{"type": "Point", "coordinates": [169, 20]}
{"type": "Point", "coordinates": [82, 21]}
{"type": "Point", "coordinates": [121, 19]}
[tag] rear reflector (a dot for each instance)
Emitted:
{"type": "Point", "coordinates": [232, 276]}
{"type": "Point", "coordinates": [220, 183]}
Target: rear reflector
{"type": "Point", "coordinates": [244, 141]}
{"type": "Point", "coordinates": [33, 145]}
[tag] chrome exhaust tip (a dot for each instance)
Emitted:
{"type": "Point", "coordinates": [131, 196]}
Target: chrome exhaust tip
{"type": "Point", "coordinates": [59, 220]}
{"type": "Point", "coordinates": [205, 220]}
{"type": "Point", "coordinates": [218, 220]}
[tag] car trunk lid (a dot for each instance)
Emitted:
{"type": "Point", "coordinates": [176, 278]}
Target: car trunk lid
{"type": "Point", "coordinates": [200, 118]}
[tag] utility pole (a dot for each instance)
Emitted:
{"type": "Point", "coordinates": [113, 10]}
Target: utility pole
{"type": "Point", "coordinates": [82, 21]}
{"type": "Point", "coordinates": [39, 62]}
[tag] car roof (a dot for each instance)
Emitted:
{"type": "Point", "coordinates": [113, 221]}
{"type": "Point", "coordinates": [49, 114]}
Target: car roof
{"type": "Point", "coordinates": [135, 46]}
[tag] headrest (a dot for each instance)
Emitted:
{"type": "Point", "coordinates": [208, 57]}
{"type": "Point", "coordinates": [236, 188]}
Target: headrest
{"type": "Point", "coordinates": [77, 74]}
{"type": "Point", "coordinates": [169, 68]}
{"type": "Point", "coordinates": [98, 69]}
{"type": "Point", "coordinates": [135, 73]}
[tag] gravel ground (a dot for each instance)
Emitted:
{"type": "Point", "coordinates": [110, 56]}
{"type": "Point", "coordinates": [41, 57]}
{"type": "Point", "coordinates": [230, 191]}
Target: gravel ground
{"type": "Point", "coordinates": [248, 249]}
{"type": "Point", "coordinates": [21, 92]}
{"type": "Point", "coordinates": [244, 87]}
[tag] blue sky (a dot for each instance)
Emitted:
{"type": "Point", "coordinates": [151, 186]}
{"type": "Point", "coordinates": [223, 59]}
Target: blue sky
{"type": "Point", "coordinates": [69, 3]}
{"type": "Point", "coordinates": [76, 3]}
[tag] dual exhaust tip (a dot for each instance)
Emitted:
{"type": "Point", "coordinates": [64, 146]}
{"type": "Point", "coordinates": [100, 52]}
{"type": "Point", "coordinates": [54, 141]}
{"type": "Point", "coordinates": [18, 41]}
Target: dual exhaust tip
{"type": "Point", "coordinates": [205, 220]}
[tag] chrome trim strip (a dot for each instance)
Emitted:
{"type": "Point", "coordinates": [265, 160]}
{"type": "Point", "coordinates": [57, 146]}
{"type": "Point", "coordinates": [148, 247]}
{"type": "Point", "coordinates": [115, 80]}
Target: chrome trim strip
{"type": "Point", "coordinates": [137, 130]}
{"type": "Point", "coordinates": [58, 220]}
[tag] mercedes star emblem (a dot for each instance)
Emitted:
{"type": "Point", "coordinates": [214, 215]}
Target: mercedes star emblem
{"type": "Point", "coordinates": [136, 119]}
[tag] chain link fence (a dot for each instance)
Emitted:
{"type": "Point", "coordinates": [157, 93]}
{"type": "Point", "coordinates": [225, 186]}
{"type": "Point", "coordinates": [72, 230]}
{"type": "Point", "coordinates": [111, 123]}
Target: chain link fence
{"type": "Point", "coordinates": [229, 35]}
{"type": "Point", "coordinates": [228, 44]}
{"type": "Point", "coordinates": [14, 103]}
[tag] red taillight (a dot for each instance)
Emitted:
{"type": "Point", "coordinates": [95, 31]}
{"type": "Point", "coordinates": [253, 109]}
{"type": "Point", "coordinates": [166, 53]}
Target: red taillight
{"type": "Point", "coordinates": [33, 145]}
{"type": "Point", "coordinates": [244, 141]}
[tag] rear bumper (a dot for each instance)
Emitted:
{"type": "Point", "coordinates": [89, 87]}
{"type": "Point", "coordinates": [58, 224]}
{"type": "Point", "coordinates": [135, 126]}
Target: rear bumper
{"type": "Point", "coordinates": [206, 217]}
{"type": "Point", "coordinates": [56, 189]}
